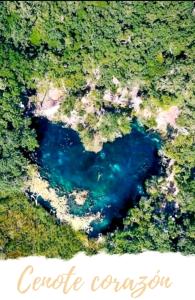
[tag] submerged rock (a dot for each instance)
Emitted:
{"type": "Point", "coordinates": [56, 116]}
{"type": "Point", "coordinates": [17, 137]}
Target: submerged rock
{"type": "Point", "coordinates": [42, 193]}
{"type": "Point", "coordinates": [79, 197]}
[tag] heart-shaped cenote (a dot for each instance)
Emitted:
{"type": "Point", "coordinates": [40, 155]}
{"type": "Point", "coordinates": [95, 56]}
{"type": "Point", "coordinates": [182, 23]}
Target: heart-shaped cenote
{"type": "Point", "coordinates": [110, 181]}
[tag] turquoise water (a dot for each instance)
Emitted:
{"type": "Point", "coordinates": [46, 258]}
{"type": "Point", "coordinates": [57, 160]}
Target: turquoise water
{"type": "Point", "coordinates": [114, 177]}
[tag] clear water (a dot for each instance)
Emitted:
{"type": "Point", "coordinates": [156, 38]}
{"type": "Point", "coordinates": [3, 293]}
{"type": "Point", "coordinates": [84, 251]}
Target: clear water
{"type": "Point", "coordinates": [114, 177]}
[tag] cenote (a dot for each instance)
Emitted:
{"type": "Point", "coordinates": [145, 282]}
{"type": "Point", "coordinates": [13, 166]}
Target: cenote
{"type": "Point", "coordinates": [114, 177]}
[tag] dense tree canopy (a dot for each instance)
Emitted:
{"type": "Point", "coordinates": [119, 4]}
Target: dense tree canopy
{"type": "Point", "coordinates": [149, 42]}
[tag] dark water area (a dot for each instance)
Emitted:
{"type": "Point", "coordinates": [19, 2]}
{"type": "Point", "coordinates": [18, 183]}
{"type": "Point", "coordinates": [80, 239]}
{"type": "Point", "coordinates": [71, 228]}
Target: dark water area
{"type": "Point", "coordinates": [114, 176]}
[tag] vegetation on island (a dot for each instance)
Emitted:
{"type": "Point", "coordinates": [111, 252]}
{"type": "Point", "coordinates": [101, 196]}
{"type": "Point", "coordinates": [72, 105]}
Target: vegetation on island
{"type": "Point", "coordinates": [106, 55]}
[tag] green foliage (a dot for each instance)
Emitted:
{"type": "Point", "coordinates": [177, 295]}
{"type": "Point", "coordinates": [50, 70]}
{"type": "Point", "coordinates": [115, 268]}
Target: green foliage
{"type": "Point", "coordinates": [68, 105]}
{"type": "Point", "coordinates": [28, 230]}
{"type": "Point", "coordinates": [148, 41]}
{"type": "Point", "coordinates": [141, 233]}
{"type": "Point", "coordinates": [113, 125]}
{"type": "Point", "coordinates": [152, 226]}
{"type": "Point", "coordinates": [16, 139]}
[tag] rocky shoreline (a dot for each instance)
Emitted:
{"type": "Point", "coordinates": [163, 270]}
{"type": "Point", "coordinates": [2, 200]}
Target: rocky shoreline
{"type": "Point", "coordinates": [37, 188]}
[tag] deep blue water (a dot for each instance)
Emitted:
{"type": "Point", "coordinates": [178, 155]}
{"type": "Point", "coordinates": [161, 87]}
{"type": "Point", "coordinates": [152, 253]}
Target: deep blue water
{"type": "Point", "coordinates": [114, 176]}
